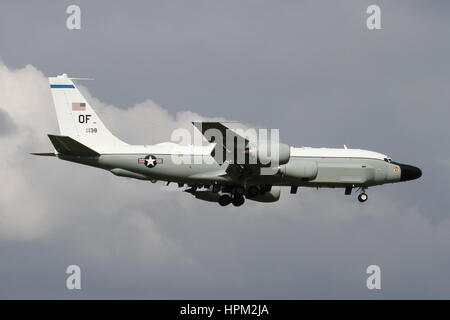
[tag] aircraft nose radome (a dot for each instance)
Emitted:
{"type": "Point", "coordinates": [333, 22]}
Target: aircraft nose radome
{"type": "Point", "coordinates": [409, 172]}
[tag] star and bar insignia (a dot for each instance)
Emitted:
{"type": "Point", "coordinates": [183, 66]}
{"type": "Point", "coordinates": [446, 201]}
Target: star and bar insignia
{"type": "Point", "coordinates": [150, 161]}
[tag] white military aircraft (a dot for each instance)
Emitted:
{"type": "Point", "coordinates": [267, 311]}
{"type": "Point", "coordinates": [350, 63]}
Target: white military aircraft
{"type": "Point", "coordinates": [84, 139]}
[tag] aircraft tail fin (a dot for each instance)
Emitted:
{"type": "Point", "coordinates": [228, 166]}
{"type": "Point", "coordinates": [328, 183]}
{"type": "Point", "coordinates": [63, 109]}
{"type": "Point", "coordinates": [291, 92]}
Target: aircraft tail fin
{"type": "Point", "coordinates": [76, 118]}
{"type": "Point", "coordinates": [68, 146]}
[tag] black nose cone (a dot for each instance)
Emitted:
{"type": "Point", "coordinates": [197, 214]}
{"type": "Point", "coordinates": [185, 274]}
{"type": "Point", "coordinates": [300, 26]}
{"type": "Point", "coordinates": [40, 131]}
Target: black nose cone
{"type": "Point", "coordinates": [409, 172]}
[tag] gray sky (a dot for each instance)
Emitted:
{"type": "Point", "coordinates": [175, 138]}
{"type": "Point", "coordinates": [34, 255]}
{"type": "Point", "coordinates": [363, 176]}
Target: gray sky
{"type": "Point", "coordinates": [310, 68]}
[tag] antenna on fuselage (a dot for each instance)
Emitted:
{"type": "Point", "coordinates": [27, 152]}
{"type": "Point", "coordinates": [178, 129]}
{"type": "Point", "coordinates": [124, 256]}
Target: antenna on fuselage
{"type": "Point", "coordinates": [82, 79]}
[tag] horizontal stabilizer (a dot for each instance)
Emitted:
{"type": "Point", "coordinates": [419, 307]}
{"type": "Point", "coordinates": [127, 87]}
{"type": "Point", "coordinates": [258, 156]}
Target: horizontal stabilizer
{"type": "Point", "coordinates": [68, 146]}
{"type": "Point", "coordinates": [44, 154]}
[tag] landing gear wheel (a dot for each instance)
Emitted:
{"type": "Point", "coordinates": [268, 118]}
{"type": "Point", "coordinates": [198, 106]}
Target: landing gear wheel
{"type": "Point", "coordinates": [362, 197]}
{"type": "Point", "coordinates": [224, 200]}
{"type": "Point", "coordinates": [238, 201]}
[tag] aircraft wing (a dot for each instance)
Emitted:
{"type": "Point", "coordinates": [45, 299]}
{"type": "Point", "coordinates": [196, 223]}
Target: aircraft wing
{"type": "Point", "coordinates": [208, 128]}
{"type": "Point", "coordinates": [218, 133]}
{"type": "Point", "coordinates": [243, 155]}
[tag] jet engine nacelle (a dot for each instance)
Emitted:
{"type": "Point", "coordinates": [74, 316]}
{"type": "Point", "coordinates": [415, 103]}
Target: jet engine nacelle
{"type": "Point", "coordinates": [262, 152]}
{"type": "Point", "coordinates": [270, 196]}
{"type": "Point", "coordinates": [299, 169]}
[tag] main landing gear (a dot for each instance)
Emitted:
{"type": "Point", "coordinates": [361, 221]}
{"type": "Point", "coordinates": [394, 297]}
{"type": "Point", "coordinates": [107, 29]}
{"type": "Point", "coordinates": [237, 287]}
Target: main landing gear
{"type": "Point", "coordinates": [234, 196]}
{"type": "Point", "coordinates": [224, 200]}
{"type": "Point", "coordinates": [362, 197]}
{"type": "Point", "coordinates": [237, 194]}
{"type": "Point", "coordinates": [237, 200]}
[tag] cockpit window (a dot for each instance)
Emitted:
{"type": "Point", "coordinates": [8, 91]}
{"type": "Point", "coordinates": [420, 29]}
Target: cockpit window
{"type": "Point", "coordinates": [388, 160]}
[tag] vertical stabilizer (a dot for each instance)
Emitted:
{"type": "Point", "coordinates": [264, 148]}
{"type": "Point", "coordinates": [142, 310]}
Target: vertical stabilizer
{"type": "Point", "coordinates": [76, 118]}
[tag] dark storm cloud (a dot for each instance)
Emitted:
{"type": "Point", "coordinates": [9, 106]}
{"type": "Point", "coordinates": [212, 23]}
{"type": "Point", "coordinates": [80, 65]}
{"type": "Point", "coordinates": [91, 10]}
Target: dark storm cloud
{"type": "Point", "coordinates": [310, 68]}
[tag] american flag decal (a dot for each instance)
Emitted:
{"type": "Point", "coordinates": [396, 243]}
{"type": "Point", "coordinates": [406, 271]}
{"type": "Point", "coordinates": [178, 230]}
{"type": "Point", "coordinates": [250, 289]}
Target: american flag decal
{"type": "Point", "coordinates": [78, 106]}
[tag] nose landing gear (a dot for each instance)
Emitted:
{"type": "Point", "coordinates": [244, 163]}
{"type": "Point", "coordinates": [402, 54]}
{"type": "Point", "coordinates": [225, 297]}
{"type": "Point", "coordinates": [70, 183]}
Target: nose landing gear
{"type": "Point", "coordinates": [363, 196]}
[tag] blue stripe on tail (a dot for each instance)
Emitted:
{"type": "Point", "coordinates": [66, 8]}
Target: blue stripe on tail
{"type": "Point", "coordinates": [62, 86]}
